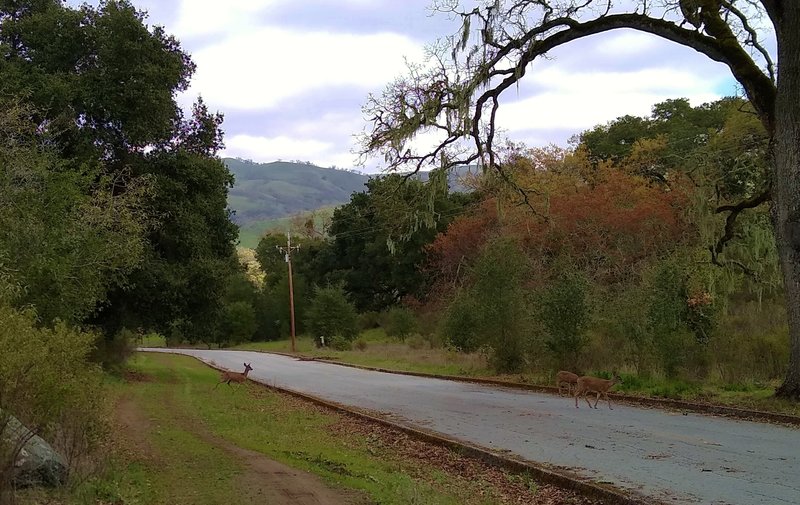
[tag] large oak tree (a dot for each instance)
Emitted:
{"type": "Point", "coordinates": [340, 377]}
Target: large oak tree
{"type": "Point", "coordinates": [459, 95]}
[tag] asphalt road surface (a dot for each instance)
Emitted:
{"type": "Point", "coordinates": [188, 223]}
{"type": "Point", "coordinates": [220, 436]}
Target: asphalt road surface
{"type": "Point", "coordinates": [669, 456]}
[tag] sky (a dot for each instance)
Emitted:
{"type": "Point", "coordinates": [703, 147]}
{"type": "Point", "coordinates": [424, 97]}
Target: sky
{"type": "Point", "coordinates": [291, 76]}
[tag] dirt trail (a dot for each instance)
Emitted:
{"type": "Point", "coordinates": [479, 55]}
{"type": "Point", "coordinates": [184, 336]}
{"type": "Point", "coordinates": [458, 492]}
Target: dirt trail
{"type": "Point", "coordinates": [262, 481]}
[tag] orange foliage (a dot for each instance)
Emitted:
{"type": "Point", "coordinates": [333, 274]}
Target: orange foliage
{"type": "Point", "coordinates": [610, 226]}
{"type": "Point", "coordinates": [451, 252]}
{"type": "Point", "coordinates": [604, 227]}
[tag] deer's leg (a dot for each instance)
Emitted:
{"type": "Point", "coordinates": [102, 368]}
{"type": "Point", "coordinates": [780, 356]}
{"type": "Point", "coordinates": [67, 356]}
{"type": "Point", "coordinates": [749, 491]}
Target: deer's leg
{"type": "Point", "coordinates": [586, 397]}
{"type": "Point", "coordinates": [597, 399]}
{"type": "Point", "coordinates": [577, 392]}
{"type": "Point", "coordinates": [609, 401]}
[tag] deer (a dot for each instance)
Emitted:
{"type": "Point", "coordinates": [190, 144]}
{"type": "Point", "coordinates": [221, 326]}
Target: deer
{"type": "Point", "coordinates": [566, 378]}
{"type": "Point", "coordinates": [588, 384]}
{"type": "Point", "coordinates": [239, 377]}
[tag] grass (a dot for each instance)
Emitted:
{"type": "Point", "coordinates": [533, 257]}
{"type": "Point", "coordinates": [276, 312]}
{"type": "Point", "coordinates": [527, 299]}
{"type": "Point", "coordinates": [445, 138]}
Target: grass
{"type": "Point", "coordinates": [173, 461]}
{"type": "Point", "coordinates": [383, 352]}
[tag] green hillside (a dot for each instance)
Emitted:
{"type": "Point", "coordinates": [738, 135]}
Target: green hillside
{"type": "Point", "coordinates": [266, 195]}
{"type": "Point", "coordinates": [266, 191]}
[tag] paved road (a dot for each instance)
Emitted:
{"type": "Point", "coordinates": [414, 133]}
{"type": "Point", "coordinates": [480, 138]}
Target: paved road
{"type": "Point", "coordinates": [672, 457]}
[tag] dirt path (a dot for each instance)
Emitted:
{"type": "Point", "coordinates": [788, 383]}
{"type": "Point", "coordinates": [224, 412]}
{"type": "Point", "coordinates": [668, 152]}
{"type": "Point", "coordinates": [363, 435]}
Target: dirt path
{"type": "Point", "coordinates": [262, 480]}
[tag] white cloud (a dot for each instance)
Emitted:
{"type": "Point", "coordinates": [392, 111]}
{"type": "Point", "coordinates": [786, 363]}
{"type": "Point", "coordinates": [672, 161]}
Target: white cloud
{"type": "Point", "coordinates": [578, 101]}
{"type": "Point", "coordinates": [207, 17]}
{"type": "Point", "coordinates": [259, 69]}
{"type": "Point", "coordinates": [266, 149]}
{"type": "Point", "coordinates": [626, 44]}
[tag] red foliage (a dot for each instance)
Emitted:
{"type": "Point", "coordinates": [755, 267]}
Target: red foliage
{"type": "Point", "coordinates": [609, 227]}
{"type": "Point", "coordinates": [454, 250]}
{"type": "Point", "coordinates": [604, 229]}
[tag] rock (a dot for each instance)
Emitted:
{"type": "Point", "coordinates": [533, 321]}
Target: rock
{"type": "Point", "coordinates": [37, 464]}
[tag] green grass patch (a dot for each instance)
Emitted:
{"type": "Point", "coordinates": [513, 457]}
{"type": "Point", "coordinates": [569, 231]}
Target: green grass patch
{"type": "Point", "coordinates": [384, 352]}
{"type": "Point", "coordinates": [176, 462]}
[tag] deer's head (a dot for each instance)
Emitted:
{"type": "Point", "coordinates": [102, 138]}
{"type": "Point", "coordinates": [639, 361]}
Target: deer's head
{"type": "Point", "coordinates": [247, 367]}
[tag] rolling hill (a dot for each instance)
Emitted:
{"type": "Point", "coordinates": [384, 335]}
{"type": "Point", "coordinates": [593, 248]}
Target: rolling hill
{"type": "Point", "coordinates": [265, 191]}
{"type": "Point", "coordinates": [264, 195]}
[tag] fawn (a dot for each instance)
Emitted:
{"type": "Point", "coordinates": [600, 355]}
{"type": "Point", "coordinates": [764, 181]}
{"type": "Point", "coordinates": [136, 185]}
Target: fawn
{"type": "Point", "coordinates": [595, 385]}
{"type": "Point", "coordinates": [566, 378]}
{"type": "Point", "coordinates": [228, 377]}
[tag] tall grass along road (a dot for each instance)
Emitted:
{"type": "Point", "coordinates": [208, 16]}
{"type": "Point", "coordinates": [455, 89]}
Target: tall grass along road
{"type": "Point", "coordinates": [667, 455]}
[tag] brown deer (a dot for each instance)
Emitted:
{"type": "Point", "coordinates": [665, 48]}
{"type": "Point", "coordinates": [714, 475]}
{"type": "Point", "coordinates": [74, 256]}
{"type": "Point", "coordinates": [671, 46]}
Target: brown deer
{"type": "Point", "coordinates": [594, 385]}
{"type": "Point", "coordinates": [566, 378]}
{"type": "Point", "coordinates": [228, 377]}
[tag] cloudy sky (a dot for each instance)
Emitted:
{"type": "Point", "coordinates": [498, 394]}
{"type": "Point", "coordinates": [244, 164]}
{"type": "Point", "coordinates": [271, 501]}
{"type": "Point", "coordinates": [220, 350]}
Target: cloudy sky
{"type": "Point", "coordinates": [291, 75]}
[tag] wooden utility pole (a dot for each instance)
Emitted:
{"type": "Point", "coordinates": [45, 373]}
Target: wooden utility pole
{"type": "Point", "coordinates": [288, 256]}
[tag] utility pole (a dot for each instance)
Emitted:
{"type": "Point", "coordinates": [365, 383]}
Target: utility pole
{"type": "Point", "coordinates": [288, 256]}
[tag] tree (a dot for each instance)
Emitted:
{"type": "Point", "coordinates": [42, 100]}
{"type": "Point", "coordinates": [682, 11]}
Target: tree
{"type": "Point", "coordinates": [372, 250]}
{"type": "Point", "coordinates": [491, 311]}
{"type": "Point", "coordinates": [331, 315]}
{"type": "Point", "coordinates": [66, 237]}
{"type": "Point", "coordinates": [564, 310]}
{"type": "Point", "coordinates": [191, 253]}
{"type": "Point", "coordinates": [400, 322]}
{"type": "Point", "coordinates": [460, 94]}
{"type": "Point", "coordinates": [102, 89]}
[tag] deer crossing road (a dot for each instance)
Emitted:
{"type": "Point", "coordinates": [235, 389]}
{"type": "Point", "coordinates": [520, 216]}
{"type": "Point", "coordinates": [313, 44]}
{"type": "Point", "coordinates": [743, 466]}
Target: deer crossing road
{"type": "Point", "coordinates": [665, 455]}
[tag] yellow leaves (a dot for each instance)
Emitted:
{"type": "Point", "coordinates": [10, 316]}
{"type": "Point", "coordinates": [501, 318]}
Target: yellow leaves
{"type": "Point", "coordinates": [647, 156]}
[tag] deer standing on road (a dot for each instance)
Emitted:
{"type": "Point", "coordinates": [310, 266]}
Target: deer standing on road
{"type": "Point", "coordinates": [566, 378]}
{"type": "Point", "coordinates": [228, 377]}
{"type": "Point", "coordinates": [594, 385]}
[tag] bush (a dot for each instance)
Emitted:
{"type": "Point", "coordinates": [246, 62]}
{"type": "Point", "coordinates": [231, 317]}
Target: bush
{"type": "Point", "coordinates": [369, 320]}
{"type": "Point", "coordinates": [360, 344]}
{"type": "Point", "coordinates": [435, 340]}
{"type": "Point", "coordinates": [564, 311]}
{"type": "Point", "coordinates": [48, 383]}
{"type": "Point", "coordinates": [416, 341]}
{"type": "Point", "coordinates": [400, 323]}
{"type": "Point", "coordinates": [340, 343]}
{"type": "Point", "coordinates": [332, 315]}
{"type": "Point", "coordinates": [238, 323]}
{"type": "Point", "coordinates": [112, 353]}
{"type": "Point", "coordinates": [491, 312]}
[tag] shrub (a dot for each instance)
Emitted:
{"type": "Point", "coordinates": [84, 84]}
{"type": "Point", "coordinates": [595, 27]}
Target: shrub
{"type": "Point", "coordinates": [400, 323]}
{"type": "Point", "coordinates": [491, 312]}
{"type": "Point", "coordinates": [49, 384]}
{"type": "Point", "coordinates": [238, 323]}
{"type": "Point", "coordinates": [340, 343]}
{"type": "Point", "coordinates": [416, 341]}
{"type": "Point", "coordinates": [369, 320]}
{"type": "Point", "coordinates": [435, 340]}
{"type": "Point", "coordinates": [564, 311]}
{"type": "Point", "coordinates": [360, 344]}
{"type": "Point", "coordinates": [332, 315]}
{"type": "Point", "coordinates": [112, 353]}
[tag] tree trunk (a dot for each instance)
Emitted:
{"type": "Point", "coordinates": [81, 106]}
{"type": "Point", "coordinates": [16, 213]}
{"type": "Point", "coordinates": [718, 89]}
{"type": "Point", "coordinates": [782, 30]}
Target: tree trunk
{"type": "Point", "coordinates": [786, 185]}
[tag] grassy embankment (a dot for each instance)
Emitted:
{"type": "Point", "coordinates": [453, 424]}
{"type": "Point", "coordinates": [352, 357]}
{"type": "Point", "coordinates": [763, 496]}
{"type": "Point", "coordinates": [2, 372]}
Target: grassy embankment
{"type": "Point", "coordinates": [176, 440]}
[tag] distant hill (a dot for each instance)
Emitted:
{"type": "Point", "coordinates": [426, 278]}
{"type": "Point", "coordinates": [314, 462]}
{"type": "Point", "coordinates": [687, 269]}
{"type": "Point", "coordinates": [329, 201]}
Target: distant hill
{"type": "Point", "coordinates": [265, 193]}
